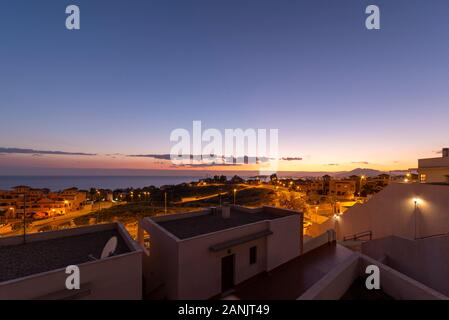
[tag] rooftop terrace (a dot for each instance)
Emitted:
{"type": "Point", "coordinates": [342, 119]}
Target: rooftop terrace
{"type": "Point", "coordinates": [33, 257]}
{"type": "Point", "coordinates": [199, 224]}
{"type": "Point", "coordinates": [290, 280]}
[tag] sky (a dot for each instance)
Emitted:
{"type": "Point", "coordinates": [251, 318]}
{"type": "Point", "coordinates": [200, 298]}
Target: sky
{"type": "Point", "coordinates": [341, 96]}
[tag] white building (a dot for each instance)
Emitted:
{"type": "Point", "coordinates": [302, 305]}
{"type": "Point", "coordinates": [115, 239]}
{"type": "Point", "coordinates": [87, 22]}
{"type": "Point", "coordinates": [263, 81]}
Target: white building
{"type": "Point", "coordinates": [37, 269]}
{"type": "Point", "coordinates": [434, 170]}
{"type": "Point", "coordinates": [205, 254]}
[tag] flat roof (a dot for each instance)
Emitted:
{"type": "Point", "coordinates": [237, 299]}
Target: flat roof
{"type": "Point", "coordinates": [18, 261]}
{"type": "Point", "coordinates": [192, 226]}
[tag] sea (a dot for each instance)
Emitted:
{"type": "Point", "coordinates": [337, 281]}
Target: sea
{"type": "Point", "coordinates": [56, 183]}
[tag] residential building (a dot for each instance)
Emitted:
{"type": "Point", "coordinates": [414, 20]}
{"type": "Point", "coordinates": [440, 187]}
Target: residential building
{"type": "Point", "coordinates": [425, 260]}
{"type": "Point", "coordinates": [342, 189]}
{"type": "Point", "coordinates": [36, 269]}
{"type": "Point", "coordinates": [204, 254]}
{"type": "Point", "coordinates": [227, 253]}
{"type": "Point", "coordinates": [39, 203]}
{"type": "Point", "coordinates": [434, 170]}
{"type": "Point", "coordinates": [407, 210]}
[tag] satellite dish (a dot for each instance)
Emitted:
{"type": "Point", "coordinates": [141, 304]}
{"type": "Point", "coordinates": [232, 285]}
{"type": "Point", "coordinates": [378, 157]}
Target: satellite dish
{"type": "Point", "coordinates": [109, 248]}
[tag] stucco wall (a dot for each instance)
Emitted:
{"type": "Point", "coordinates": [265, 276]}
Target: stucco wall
{"type": "Point", "coordinates": [425, 260]}
{"type": "Point", "coordinates": [160, 266]}
{"type": "Point", "coordinates": [286, 242]}
{"type": "Point", "coordinates": [190, 270]}
{"type": "Point", "coordinates": [392, 212]}
{"type": "Point", "coordinates": [435, 174]}
{"type": "Point", "coordinates": [117, 277]}
{"type": "Point", "coordinates": [200, 269]}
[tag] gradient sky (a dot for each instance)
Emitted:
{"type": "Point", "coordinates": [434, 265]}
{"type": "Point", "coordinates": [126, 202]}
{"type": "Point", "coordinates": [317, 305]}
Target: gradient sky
{"type": "Point", "coordinates": [341, 96]}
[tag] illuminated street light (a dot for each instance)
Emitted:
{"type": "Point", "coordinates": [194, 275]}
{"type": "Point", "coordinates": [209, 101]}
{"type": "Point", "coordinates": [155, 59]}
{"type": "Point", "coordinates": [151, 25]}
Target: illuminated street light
{"type": "Point", "coordinates": [416, 201]}
{"type": "Point", "coordinates": [165, 202]}
{"type": "Point", "coordinates": [235, 192]}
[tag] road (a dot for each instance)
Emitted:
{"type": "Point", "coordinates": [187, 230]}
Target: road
{"type": "Point", "coordinates": [34, 226]}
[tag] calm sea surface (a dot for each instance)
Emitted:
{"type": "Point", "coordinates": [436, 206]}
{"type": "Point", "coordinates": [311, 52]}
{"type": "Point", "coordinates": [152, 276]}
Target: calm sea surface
{"type": "Point", "coordinates": [56, 183]}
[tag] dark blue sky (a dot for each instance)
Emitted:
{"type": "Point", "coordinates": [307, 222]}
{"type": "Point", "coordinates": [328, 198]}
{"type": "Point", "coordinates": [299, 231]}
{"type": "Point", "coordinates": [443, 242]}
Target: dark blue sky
{"type": "Point", "coordinates": [139, 69]}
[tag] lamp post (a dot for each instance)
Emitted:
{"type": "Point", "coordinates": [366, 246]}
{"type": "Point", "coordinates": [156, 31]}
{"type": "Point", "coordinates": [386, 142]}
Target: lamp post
{"type": "Point", "coordinates": [24, 216]}
{"type": "Point", "coordinates": [416, 201]}
{"type": "Point", "coordinates": [165, 202]}
{"type": "Point", "coordinates": [235, 192]}
{"type": "Point", "coordinates": [335, 223]}
{"type": "Point", "coordinates": [361, 185]}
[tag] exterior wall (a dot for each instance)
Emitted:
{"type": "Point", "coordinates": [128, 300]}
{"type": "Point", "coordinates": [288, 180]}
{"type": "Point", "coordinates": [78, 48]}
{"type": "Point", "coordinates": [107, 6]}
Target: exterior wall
{"type": "Point", "coordinates": [112, 278]}
{"type": "Point", "coordinates": [435, 169]}
{"type": "Point", "coordinates": [200, 269]}
{"type": "Point", "coordinates": [397, 285]}
{"type": "Point", "coordinates": [343, 189]}
{"type": "Point", "coordinates": [313, 243]}
{"type": "Point", "coordinates": [400, 286]}
{"type": "Point", "coordinates": [434, 175]}
{"type": "Point", "coordinates": [334, 284]}
{"type": "Point", "coordinates": [392, 212]}
{"type": "Point", "coordinates": [286, 241]}
{"type": "Point", "coordinates": [40, 201]}
{"type": "Point", "coordinates": [188, 269]}
{"type": "Point", "coordinates": [160, 262]}
{"type": "Point", "coordinates": [117, 277]}
{"type": "Point", "coordinates": [425, 260]}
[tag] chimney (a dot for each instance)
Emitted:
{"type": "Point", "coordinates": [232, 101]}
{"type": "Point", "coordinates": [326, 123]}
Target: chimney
{"type": "Point", "coordinates": [445, 152]}
{"type": "Point", "coordinates": [226, 211]}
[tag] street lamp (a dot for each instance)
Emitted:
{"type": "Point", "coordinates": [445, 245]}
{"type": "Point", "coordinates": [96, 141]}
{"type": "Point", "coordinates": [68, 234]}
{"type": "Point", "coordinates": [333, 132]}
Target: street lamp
{"type": "Point", "coordinates": [336, 218]}
{"type": "Point", "coordinates": [24, 216]}
{"type": "Point", "coordinates": [416, 202]}
{"type": "Point", "coordinates": [235, 191]}
{"type": "Point", "coordinates": [165, 198]}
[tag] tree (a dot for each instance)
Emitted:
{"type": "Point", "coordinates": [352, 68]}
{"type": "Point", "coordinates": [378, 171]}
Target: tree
{"type": "Point", "coordinates": [292, 201]}
{"type": "Point", "coordinates": [236, 179]}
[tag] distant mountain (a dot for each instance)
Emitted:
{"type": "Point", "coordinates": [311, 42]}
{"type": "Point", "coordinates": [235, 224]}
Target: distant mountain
{"type": "Point", "coordinates": [359, 172]}
{"type": "Point", "coordinates": [339, 174]}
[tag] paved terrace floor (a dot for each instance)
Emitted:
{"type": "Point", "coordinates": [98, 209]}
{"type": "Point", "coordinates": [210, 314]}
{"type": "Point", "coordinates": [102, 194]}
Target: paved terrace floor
{"type": "Point", "coordinates": [18, 261]}
{"type": "Point", "coordinates": [290, 280]}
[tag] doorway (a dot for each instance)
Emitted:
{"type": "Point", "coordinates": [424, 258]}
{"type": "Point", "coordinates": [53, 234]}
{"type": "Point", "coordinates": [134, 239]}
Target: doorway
{"type": "Point", "coordinates": [227, 273]}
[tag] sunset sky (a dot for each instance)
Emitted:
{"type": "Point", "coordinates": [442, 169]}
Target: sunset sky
{"type": "Point", "coordinates": [341, 96]}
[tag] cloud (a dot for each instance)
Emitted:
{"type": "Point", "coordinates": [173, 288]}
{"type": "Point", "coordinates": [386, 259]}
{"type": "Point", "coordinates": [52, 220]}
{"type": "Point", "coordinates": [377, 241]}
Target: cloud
{"type": "Point", "coordinates": [220, 159]}
{"type": "Point", "coordinates": [41, 152]}
{"type": "Point", "coordinates": [332, 164]}
{"type": "Point", "coordinates": [360, 162]}
{"type": "Point", "coordinates": [205, 165]}
{"type": "Point", "coordinates": [292, 159]}
{"type": "Point", "coordinates": [153, 156]}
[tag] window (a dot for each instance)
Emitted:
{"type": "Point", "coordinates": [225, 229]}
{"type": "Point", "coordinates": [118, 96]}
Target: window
{"type": "Point", "coordinates": [423, 177]}
{"type": "Point", "coordinates": [252, 255]}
